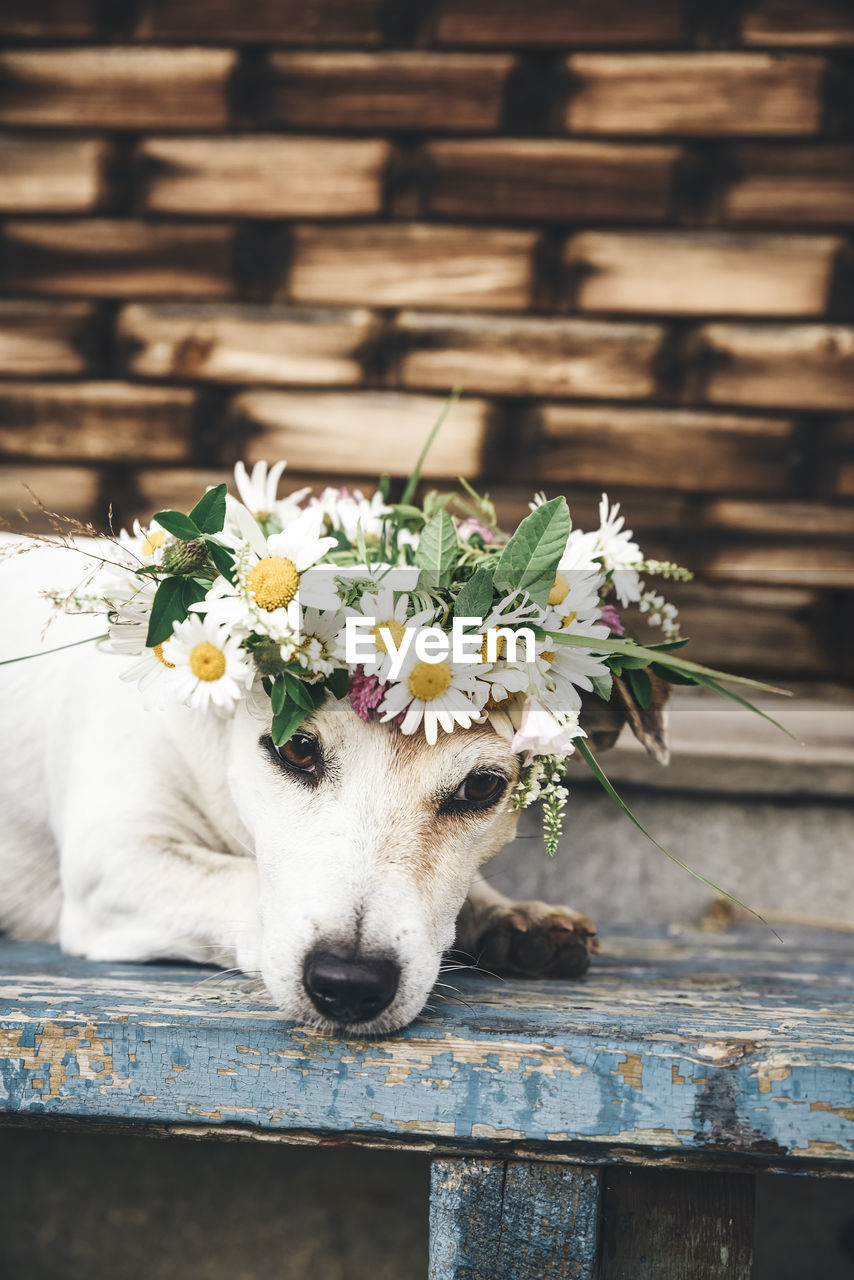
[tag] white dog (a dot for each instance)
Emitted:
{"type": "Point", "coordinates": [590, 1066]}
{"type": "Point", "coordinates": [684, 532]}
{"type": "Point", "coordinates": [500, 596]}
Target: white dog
{"type": "Point", "coordinates": [337, 867]}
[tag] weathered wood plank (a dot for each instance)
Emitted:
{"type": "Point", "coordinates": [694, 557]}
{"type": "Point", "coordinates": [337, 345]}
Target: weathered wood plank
{"type": "Point", "coordinates": [413, 264]}
{"type": "Point", "coordinates": [264, 175]}
{"type": "Point", "coordinates": [806, 184]}
{"type": "Point", "coordinates": [809, 366]}
{"type": "Point", "coordinates": [288, 345]}
{"type": "Point", "coordinates": [51, 175]}
{"type": "Point", "coordinates": [71, 491]}
{"type": "Point", "coordinates": [98, 421]}
{"type": "Point", "coordinates": [116, 88]}
{"type": "Point", "coordinates": [789, 564]}
{"type": "Point", "coordinates": [549, 178]}
{"type": "Point", "coordinates": [179, 488]}
{"type": "Point", "coordinates": [408, 89]}
{"type": "Point", "coordinates": [283, 21]}
{"type": "Point", "coordinates": [559, 22]}
{"type": "Point", "coordinates": [48, 19]}
{"type": "Point", "coordinates": [744, 1028]}
{"type": "Point", "coordinates": [779, 516]}
{"type": "Point", "coordinates": [364, 433]}
{"type": "Point", "coordinates": [694, 451]}
{"type": "Point", "coordinates": [663, 1225]}
{"type": "Point", "coordinates": [692, 273]}
{"type": "Point", "coordinates": [527, 356]}
{"type": "Point", "coordinates": [113, 258]}
{"type": "Point", "coordinates": [819, 24]}
{"type": "Point", "coordinates": [530, 1221]}
{"type": "Point", "coordinates": [45, 337]}
{"type": "Point", "coordinates": [695, 93]}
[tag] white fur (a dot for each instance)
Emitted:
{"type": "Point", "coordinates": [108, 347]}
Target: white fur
{"type": "Point", "coordinates": [132, 834]}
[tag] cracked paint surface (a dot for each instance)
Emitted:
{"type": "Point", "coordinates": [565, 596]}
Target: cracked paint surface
{"type": "Point", "coordinates": [719, 1044]}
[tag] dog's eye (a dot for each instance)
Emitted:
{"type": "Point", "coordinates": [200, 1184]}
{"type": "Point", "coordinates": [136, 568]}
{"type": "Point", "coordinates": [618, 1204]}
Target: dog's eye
{"type": "Point", "coordinates": [480, 790]}
{"type": "Point", "coordinates": [300, 752]}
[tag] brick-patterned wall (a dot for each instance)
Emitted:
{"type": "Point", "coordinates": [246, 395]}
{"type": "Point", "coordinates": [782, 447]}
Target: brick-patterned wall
{"type": "Point", "coordinates": [288, 227]}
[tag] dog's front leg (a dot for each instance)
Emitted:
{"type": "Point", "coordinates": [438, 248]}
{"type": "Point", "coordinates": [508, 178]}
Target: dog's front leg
{"type": "Point", "coordinates": [147, 898]}
{"type": "Point", "coordinates": [526, 939]}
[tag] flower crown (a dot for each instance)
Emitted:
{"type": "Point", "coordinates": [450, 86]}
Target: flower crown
{"type": "Point", "coordinates": [299, 597]}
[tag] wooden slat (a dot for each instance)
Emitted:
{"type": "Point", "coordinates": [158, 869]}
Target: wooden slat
{"type": "Point", "coordinates": [773, 630]}
{"type": "Point", "coordinates": [115, 88]}
{"type": "Point", "coordinates": [447, 92]}
{"type": "Point", "coordinates": [283, 21]}
{"type": "Point", "coordinates": [689, 93]}
{"type": "Point", "coordinates": [661, 513]}
{"type": "Point", "coordinates": [809, 366]}
{"type": "Point", "coordinates": [692, 273]}
{"type": "Point", "coordinates": [48, 19]}
{"type": "Point", "coordinates": [526, 356]}
{"type": "Point", "coordinates": [817, 24]}
{"type": "Point", "coordinates": [838, 469]}
{"type": "Point", "coordinates": [813, 185]}
{"type": "Point", "coordinates": [559, 22]}
{"type": "Point", "coordinates": [792, 564]}
{"type": "Point", "coordinates": [101, 421]}
{"type": "Point", "coordinates": [45, 337]}
{"type": "Point", "coordinates": [297, 346]}
{"type": "Point", "coordinates": [412, 264]}
{"type": "Point", "coordinates": [51, 175]}
{"type": "Point", "coordinates": [672, 1225]}
{"type": "Point", "coordinates": [264, 175]}
{"type": "Point", "coordinates": [365, 433]}
{"type": "Point", "coordinates": [689, 451]}
{"type": "Point", "coordinates": [532, 1221]}
{"type": "Point", "coordinates": [70, 491]}
{"type": "Point", "coordinates": [113, 258]}
{"type": "Point", "coordinates": [803, 519]}
{"type": "Point", "coordinates": [549, 178]}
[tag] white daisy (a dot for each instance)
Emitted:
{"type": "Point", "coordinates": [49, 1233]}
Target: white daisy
{"type": "Point", "coordinates": [393, 615]}
{"type": "Point", "coordinates": [258, 491]}
{"type": "Point", "coordinates": [211, 669]}
{"type": "Point", "coordinates": [347, 509]}
{"type": "Point", "coordinates": [619, 554]}
{"type": "Point", "coordinates": [321, 634]}
{"type": "Point", "coordinates": [437, 694]}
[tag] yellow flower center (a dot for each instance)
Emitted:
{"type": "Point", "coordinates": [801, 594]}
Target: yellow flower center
{"type": "Point", "coordinates": [548, 656]}
{"type": "Point", "coordinates": [569, 619]}
{"type": "Point", "coordinates": [397, 631]}
{"type": "Point", "coordinates": [560, 590]}
{"type": "Point", "coordinates": [152, 542]}
{"type": "Point", "coordinates": [157, 650]}
{"type": "Point", "coordinates": [500, 648]}
{"type": "Point", "coordinates": [207, 662]}
{"type": "Point", "coordinates": [262, 516]}
{"type": "Point", "coordinates": [429, 680]}
{"type": "Point", "coordinates": [273, 582]}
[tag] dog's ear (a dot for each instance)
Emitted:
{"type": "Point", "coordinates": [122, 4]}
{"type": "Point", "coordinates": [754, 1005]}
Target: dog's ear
{"type": "Point", "coordinates": [602, 721]}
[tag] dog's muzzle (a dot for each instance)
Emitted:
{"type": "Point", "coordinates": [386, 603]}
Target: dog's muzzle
{"type": "Point", "coordinates": [352, 988]}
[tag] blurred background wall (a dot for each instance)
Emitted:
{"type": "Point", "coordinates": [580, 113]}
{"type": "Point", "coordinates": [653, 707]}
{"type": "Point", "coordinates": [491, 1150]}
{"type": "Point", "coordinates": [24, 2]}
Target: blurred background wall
{"type": "Point", "coordinates": [286, 228]}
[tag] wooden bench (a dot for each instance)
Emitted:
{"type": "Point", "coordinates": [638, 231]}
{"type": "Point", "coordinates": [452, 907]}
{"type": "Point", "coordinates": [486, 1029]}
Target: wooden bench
{"type": "Point", "coordinates": [605, 1128]}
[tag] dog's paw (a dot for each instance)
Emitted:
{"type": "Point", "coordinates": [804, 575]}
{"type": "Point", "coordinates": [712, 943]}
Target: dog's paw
{"type": "Point", "coordinates": [535, 940]}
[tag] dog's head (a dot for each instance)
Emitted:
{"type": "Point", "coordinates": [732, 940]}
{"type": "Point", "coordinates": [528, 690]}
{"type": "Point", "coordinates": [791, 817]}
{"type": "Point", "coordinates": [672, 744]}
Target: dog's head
{"type": "Point", "coordinates": [367, 841]}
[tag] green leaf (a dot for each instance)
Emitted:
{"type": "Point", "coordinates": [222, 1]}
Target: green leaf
{"type": "Point", "coordinates": [384, 486]}
{"type": "Point", "coordinates": [278, 695]}
{"type": "Point", "coordinates": [360, 543]}
{"type": "Point", "coordinates": [179, 525]}
{"type": "Point", "coordinates": [641, 687]}
{"type": "Point", "coordinates": [167, 608]}
{"type": "Point", "coordinates": [222, 558]}
{"type": "Point", "coordinates": [287, 721]}
{"type": "Point", "coordinates": [412, 482]}
{"type": "Point", "coordinates": [596, 769]}
{"type": "Point", "coordinates": [438, 549]}
{"type": "Point", "coordinates": [530, 559]}
{"type": "Point", "coordinates": [632, 650]}
{"type": "Point", "coordinates": [672, 677]}
{"type": "Point", "coordinates": [728, 693]}
{"type": "Point", "coordinates": [602, 686]}
{"type": "Point", "coordinates": [338, 683]}
{"type": "Point", "coordinates": [403, 511]}
{"type": "Point", "coordinates": [209, 512]}
{"type": "Point", "coordinates": [298, 692]}
{"type": "Point", "coordinates": [475, 599]}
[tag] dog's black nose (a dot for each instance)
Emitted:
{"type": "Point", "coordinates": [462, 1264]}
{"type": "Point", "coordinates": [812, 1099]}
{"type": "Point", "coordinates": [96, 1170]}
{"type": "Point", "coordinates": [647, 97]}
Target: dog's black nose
{"type": "Point", "coordinates": [350, 988]}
